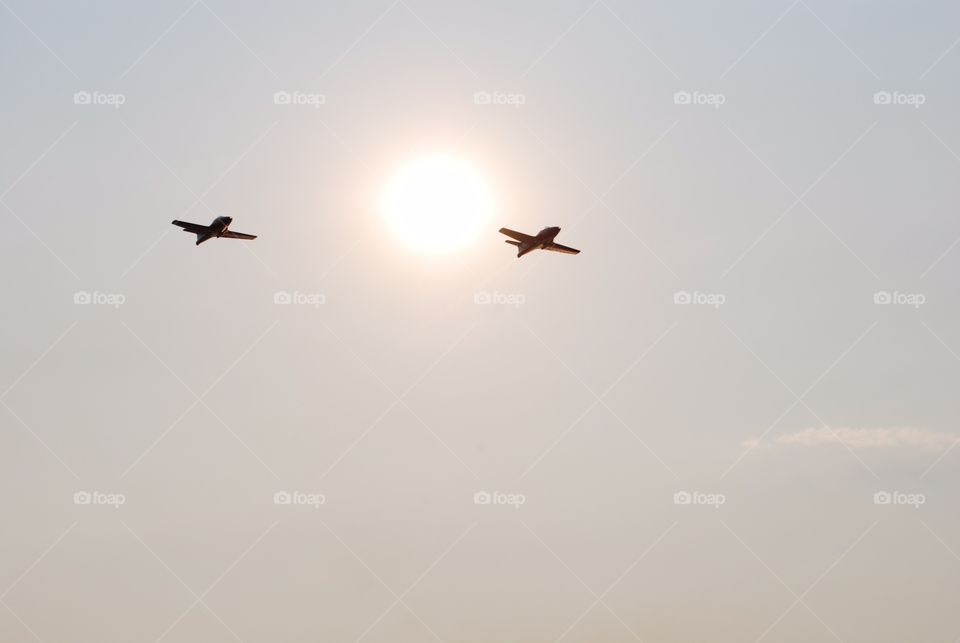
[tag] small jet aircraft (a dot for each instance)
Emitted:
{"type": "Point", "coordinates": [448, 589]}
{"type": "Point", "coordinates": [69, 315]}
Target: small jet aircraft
{"type": "Point", "coordinates": [219, 228]}
{"type": "Point", "coordinates": [542, 241]}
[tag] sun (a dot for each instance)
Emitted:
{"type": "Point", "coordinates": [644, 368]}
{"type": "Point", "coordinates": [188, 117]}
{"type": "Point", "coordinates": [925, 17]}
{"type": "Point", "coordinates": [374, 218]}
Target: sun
{"type": "Point", "coordinates": [437, 204]}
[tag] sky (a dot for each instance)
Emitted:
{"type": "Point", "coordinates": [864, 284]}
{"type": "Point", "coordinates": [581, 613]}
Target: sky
{"type": "Point", "coordinates": [732, 417]}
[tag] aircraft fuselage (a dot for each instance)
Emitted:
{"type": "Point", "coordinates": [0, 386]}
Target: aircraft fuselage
{"type": "Point", "coordinates": [543, 239]}
{"type": "Point", "coordinates": [217, 228]}
{"type": "Point", "coordinates": [220, 224]}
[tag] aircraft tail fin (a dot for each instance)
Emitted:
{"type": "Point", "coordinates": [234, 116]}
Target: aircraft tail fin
{"type": "Point", "coordinates": [512, 243]}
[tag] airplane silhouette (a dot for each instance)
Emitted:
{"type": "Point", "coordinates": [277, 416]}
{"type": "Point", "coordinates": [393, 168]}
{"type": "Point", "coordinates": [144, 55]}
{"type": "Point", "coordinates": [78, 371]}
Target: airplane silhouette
{"type": "Point", "coordinates": [542, 241]}
{"type": "Point", "coordinates": [219, 229]}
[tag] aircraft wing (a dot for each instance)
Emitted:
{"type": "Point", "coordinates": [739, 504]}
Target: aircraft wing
{"type": "Point", "coordinates": [237, 235]}
{"type": "Point", "coordinates": [519, 236]}
{"type": "Point", "coordinates": [191, 227]}
{"type": "Point", "coordinates": [556, 247]}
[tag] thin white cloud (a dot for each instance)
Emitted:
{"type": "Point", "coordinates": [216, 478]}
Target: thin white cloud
{"type": "Point", "coordinates": [864, 438]}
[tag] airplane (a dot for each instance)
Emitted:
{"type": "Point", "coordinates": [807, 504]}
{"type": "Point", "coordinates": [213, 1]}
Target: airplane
{"type": "Point", "coordinates": [543, 240]}
{"type": "Point", "coordinates": [219, 228]}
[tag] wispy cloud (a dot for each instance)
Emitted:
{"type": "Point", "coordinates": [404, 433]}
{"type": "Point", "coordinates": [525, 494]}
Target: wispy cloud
{"type": "Point", "coordinates": [863, 438]}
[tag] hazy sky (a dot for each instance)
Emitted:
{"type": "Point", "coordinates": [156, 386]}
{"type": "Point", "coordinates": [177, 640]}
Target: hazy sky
{"type": "Point", "coordinates": [731, 418]}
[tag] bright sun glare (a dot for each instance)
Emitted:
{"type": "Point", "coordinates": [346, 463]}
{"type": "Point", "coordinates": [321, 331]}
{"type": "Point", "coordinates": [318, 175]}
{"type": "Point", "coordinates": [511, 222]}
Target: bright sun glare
{"type": "Point", "coordinates": [437, 204]}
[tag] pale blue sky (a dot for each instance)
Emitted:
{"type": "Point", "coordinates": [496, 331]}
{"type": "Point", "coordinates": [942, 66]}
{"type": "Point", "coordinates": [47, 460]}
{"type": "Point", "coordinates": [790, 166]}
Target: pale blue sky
{"type": "Point", "coordinates": [798, 202]}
